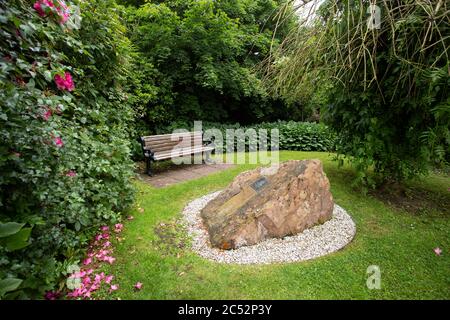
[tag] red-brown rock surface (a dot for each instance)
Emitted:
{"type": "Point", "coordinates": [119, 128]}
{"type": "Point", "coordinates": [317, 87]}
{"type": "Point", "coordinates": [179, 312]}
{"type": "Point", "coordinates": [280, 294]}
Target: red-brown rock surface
{"type": "Point", "coordinates": [261, 204]}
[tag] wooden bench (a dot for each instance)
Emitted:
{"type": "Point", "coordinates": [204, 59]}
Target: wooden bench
{"type": "Point", "coordinates": [169, 146]}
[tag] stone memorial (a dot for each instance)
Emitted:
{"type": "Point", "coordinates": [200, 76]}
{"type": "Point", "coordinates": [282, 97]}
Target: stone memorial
{"type": "Point", "coordinates": [268, 203]}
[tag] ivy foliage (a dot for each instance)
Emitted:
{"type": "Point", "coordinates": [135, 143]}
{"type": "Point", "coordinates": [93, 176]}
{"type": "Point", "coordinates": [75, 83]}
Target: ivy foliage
{"type": "Point", "coordinates": [64, 152]}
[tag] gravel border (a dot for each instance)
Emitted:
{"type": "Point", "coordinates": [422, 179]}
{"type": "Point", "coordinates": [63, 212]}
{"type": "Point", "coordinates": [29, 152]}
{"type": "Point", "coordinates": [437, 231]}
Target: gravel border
{"type": "Point", "coordinates": [312, 243]}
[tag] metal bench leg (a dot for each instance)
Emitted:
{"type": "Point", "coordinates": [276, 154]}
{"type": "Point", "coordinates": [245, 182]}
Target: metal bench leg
{"type": "Point", "coordinates": [149, 167]}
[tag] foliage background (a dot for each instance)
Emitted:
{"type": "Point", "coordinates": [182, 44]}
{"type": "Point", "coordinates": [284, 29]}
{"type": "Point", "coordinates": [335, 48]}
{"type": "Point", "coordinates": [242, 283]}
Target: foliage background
{"type": "Point", "coordinates": [196, 60]}
{"type": "Point", "coordinates": [63, 192]}
{"type": "Point", "coordinates": [384, 91]}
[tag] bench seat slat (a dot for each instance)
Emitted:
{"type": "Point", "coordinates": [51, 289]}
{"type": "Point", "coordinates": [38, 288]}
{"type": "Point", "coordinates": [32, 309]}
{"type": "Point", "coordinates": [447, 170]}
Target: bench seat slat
{"type": "Point", "coordinates": [170, 136]}
{"type": "Point", "coordinates": [180, 152]}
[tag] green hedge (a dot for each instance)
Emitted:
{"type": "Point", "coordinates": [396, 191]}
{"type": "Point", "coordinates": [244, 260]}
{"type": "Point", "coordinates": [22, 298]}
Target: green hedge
{"type": "Point", "coordinates": [64, 153]}
{"type": "Point", "coordinates": [298, 136]}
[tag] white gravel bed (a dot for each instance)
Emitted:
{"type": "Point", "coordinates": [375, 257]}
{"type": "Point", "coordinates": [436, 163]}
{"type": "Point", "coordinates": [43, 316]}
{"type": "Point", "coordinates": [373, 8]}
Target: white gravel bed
{"type": "Point", "coordinates": [315, 242]}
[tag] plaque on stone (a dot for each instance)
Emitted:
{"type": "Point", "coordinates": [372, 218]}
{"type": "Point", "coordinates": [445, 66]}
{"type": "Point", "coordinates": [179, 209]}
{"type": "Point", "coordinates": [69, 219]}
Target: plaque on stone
{"type": "Point", "coordinates": [259, 184]}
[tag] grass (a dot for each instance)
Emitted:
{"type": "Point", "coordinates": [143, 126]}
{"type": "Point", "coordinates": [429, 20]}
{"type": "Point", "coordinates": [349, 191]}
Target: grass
{"type": "Point", "coordinates": [155, 249]}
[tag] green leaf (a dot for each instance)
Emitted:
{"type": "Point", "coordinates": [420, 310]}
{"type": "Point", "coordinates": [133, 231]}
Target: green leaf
{"type": "Point", "coordinates": [9, 284]}
{"type": "Point", "coordinates": [18, 241]}
{"type": "Point", "coordinates": [48, 75]}
{"type": "Point", "coordinates": [10, 228]}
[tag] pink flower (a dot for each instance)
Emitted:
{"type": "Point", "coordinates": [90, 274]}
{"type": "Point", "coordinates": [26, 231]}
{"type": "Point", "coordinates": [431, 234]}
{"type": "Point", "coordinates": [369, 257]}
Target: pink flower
{"type": "Point", "coordinates": [108, 279]}
{"type": "Point", "coordinates": [94, 287]}
{"type": "Point", "coordinates": [63, 12]}
{"type": "Point", "coordinates": [51, 295]}
{"type": "Point", "coordinates": [138, 286]}
{"type": "Point", "coordinates": [86, 280]}
{"type": "Point", "coordinates": [64, 17]}
{"type": "Point", "coordinates": [114, 287]}
{"type": "Point", "coordinates": [118, 227]}
{"type": "Point", "coordinates": [109, 259]}
{"type": "Point", "coordinates": [99, 277]}
{"type": "Point", "coordinates": [58, 141]}
{"type": "Point", "coordinates": [71, 173]}
{"type": "Point", "coordinates": [48, 6]}
{"type": "Point", "coordinates": [98, 237]}
{"type": "Point", "coordinates": [104, 228]}
{"type": "Point", "coordinates": [89, 271]}
{"type": "Point", "coordinates": [107, 244]}
{"type": "Point", "coordinates": [105, 236]}
{"type": "Point", "coordinates": [87, 261]}
{"type": "Point", "coordinates": [437, 251]}
{"type": "Point", "coordinates": [64, 83]}
{"type": "Point", "coordinates": [38, 7]}
{"type": "Point", "coordinates": [47, 114]}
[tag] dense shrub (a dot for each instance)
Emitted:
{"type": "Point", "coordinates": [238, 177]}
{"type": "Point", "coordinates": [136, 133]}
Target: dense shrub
{"type": "Point", "coordinates": [384, 89]}
{"type": "Point", "coordinates": [298, 136]}
{"type": "Point", "coordinates": [64, 153]}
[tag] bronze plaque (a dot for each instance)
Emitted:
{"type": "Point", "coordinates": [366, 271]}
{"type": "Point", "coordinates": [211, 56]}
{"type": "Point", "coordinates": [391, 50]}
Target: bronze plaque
{"type": "Point", "coordinates": [259, 184]}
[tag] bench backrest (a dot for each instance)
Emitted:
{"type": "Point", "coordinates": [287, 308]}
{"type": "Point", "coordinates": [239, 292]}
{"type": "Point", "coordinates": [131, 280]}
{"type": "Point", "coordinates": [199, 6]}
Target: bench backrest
{"type": "Point", "coordinates": [167, 142]}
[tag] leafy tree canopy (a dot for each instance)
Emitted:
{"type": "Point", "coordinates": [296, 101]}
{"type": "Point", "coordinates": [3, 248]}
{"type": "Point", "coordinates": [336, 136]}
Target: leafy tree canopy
{"type": "Point", "coordinates": [196, 60]}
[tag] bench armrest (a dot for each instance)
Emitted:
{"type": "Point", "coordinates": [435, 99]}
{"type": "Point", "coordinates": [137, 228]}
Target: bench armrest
{"type": "Point", "coordinates": [147, 153]}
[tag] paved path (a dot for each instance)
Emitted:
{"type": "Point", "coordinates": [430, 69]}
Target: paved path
{"type": "Point", "coordinates": [173, 174]}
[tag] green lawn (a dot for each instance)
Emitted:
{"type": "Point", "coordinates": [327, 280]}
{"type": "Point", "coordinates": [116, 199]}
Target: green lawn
{"type": "Point", "coordinates": [401, 243]}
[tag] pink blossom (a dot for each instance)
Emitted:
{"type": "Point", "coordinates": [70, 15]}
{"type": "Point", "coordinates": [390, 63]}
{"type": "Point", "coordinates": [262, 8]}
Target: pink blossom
{"type": "Point", "coordinates": [38, 7]}
{"type": "Point", "coordinates": [109, 259]}
{"type": "Point", "coordinates": [86, 280]}
{"type": "Point", "coordinates": [87, 261]}
{"type": "Point", "coordinates": [107, 244]}
{"type": "Point", "coordinates": [105, 236]}
{"type": "Point", "coordinates": [99, 277]}
{"type": "Point", "coordinates": [64, 17]}
{"type": "Point", "coordinates": [94, 287]}
{"type": "Point", "coordinates": [63, 12]}
{"type": "Point", "coordinates": [47, 114]}
{"type": "Point", "coordinates": [58, 141]}
{"type": "Point", "coordinates": [44, 6]}
{"type": "Point", "coordinates": [437, 251]}
{"type": "Point", "coordinates": [79, 274]}
{"type": "Point", "coordinates": [138, 286]}
{"type": "Point", "coordinates": [118, 227]}
{"type": "Point", "coordinates": [98, 237]}
{"type": "Point", "coordinates": [114, 287]}
{"type": "Point", "coordinates": [64, 83]}
{"type": "Point", "coordinates": [89, 271]}
{"type": "Point", "coordinates": [71, 174]}
{"type": "Point", "coordinates": [104, 228]}
{"type": "Point", "coordinates": [51, 295]}
{"type": "Point", "coordinates": [108, 279]}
